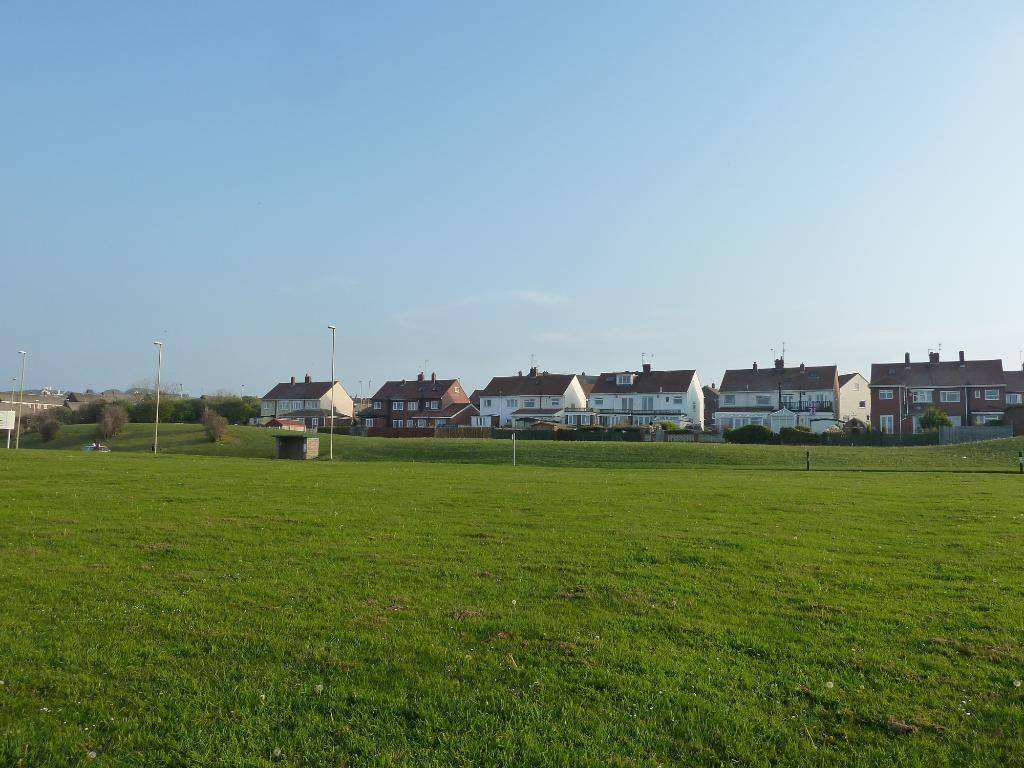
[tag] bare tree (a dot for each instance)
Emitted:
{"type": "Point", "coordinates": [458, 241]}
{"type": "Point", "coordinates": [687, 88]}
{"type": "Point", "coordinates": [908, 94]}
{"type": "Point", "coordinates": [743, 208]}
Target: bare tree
{"type": "Point", "coordinates": [111, 421]}
{"type": "Point", "coordinates": [214, 425]}
{"type": "Point", "coordinates": [48, 426]}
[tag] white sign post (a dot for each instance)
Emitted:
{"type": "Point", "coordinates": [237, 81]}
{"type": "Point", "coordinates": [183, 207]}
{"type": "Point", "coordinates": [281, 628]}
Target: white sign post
{"type": "Point", "coordinates": [7, 422]}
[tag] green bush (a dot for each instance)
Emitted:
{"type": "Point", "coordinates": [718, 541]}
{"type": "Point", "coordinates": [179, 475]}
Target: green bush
{"type": "Point", "coordinates": [669, 426]}
{"type": "Point", "coordinates": [750, 434]}
{"type": "Point", "coordinates": [798, 436]}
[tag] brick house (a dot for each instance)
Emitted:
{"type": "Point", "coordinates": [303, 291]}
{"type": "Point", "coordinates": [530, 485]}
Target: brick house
{"type": "Point", "coordinates": [710, 404]}
{"type": "Point", "coordinates": [970, 392]}
{"type": "Point", "coordinates": [779, 397]}
{"type": "Point", "coordinates": [420, 403]}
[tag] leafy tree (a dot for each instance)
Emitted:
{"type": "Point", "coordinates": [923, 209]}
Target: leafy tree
{"type": "Point", "coordinates": [237, 410]}
{"type": "Point", "coordinates": [48, 425]}
{"type": "Point", "coordinates": [933, 418]}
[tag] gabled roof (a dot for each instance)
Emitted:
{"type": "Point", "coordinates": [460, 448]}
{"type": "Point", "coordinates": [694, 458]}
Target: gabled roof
{"type": "Point", "coordinates": [769, 379]}
{"type": "Point", "coordinates": [644, 382]}
{"type": "Point", "coordinates": [541, 384]}
{"type": "Point", "coordinates": [299, 390]}
{"type": "Point", "coordinates": [844, 378]}
{"type": "Point", "coordinates": [417, 388]}
{"type": "Point", "coordinates": [940, 374]}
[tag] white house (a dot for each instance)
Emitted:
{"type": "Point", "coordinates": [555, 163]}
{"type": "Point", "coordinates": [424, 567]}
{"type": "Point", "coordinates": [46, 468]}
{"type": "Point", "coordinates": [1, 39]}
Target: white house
{"type": "Point", "coordinates": [644, 397]}
{"type": "Point", "coordinates": [307, 400]}
{"type": "Point", "coordinates": [779, 397]}
{"type": "Point", "coordinates": [520, 401]}
{"type": "Point", "coordinates": [854, 398]}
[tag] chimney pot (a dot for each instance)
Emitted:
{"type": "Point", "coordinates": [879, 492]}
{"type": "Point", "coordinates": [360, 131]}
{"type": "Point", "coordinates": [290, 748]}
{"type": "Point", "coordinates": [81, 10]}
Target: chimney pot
{"type": "Point", "coordinates": [419, 376]}
{"type": "Point", "coordinates": [308, 379]}
{"type": "Point", "coordinates": [293, 379]}
{"type": "Point", "coordinates": [755, 365]}
{"type": "Point", "coordinates": [906, 359]}
{"type": "Point", "coordinates": [962, 361]}
{"type": "Point", "coordinates": [802, 368]}
{"type": "Point", "coordinates": [433, 376]}
{"type": "Point", "coordinates": [933, 357]}
{"type": "Point", "coordinates": [533, 371]}
{"type": "Point", "coordinates": [780, 363]}
{"type": "Point", "coordinates": [520, 373]}
{"type": "Point", "coordinates": [647, 367]}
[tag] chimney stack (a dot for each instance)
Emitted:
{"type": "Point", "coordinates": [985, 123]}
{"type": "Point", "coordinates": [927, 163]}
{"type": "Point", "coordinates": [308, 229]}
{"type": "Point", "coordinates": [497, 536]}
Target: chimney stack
{"type": "Point", "coordinates": [780, 363]}
{"type": "Point", "coordinates": [755, 366]}
{"type": "Point", "coordinates": [533, 371]}
{"type": "Point", "coordinates": [293, 379]}
{"type": "Point", "coordinates": [647, 367]}
{"type": "Point", "coordinates": [433, 376]}
{"type": "Point", "coordinates": [520, 373]}
{"type": "Point", "coordinates": [906, 359]}
{"type": "Point", "coordinates": [802, 368]}
{"type": "Point", "coordinates": [962, 361]}
{"type": "Point", "coordinates": [933, 357]}
{"type": "Point", "coordinates": [308, 379]}
{"type": "Point", "coordinates": [419, 376]}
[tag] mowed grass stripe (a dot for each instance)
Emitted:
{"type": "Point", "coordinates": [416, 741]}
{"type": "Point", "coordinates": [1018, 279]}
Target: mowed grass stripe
{"type": "Point", "coordinates": [185, 610]}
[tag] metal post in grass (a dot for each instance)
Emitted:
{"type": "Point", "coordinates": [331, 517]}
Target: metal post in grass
{"type": "Point", "coordinates": [21, 400]}
{"type": "Point", "coordinates": [156, 415]}
{"type": "Point", "coordinates": [1020, 462]}
{"type": "Point", "coordinates": [332, 329]}
{"type": "Point", "coordinates": [513, 449]}
{"type": "Point", "coordinates": [808, 461]}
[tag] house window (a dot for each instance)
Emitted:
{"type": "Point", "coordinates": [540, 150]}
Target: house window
{"type": "Point", "coordinates": [413, 406]}
{"type": "Point", "coordinates": [421, 422]}
{"type": "Point", "coordinates": [646, 403]}
{"type": "Point", "coordinates": [398, 424]}
{"type": "Point", "coordinates": [763, 400]}
{"type": "Point", "coordinates": [378, 405]}
{"type": "Point", "coordinates": [991, 394]}
{"type": "Point", "coordinates": [677, 401]}
{"type": "Point", "coordinates": [922, 395]}
{"type": "Point", "coordinates": [1014, 398]}
{"type": "Point", "coordinates": [369, 422]}
{"type": "Point", "coordinates": [729, 399]}
{"type": "Point", "coordinates": [949, 396]}
{"type": "Point", "coordinates": [627, 403]}
{"type": "Point", "coordinates": [487, 403]}
{"type": "Point", "coordinates": [439, 423]}
{"type": "Point", "coordinates": [315, 422]}
{"type": "Point", "coordinates": [435, 405]}
{"type": "Point", "coordinates": [529, 403]}
{"type": "Point", "coordinates": [397, 405]}
{"type": "Point", "coordinates": [556, 401]}
{"type": "Point", "coordinates": [977, 394]}
{"type": "Point", "coordinates": [624, 379]}
{"type": "Point", "coordinates": [598, 401]}
{"type": "Point", "coordinates": [863, 404]}
{"type": "Point", "coordinates": [511, 403]}
{"type": "Point", "coordinates": [885, 394]}
{"type": "Point", "coordinates": [885, 424]}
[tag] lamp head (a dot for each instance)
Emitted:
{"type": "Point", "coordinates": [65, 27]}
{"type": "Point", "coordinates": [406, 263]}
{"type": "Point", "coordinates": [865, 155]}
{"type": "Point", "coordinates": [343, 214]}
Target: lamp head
{"type": "Point", "coordinates": [332, 327]}
{"type": "Point", "coordinates": [158, 343]}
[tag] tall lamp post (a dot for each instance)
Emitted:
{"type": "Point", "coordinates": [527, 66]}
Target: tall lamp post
{"type": "Point", "coordinates": [156, 417]}
{"type": "Point", "coordinates": [332, 329]}
{"type": "Point", "coordinates": [21, 399]}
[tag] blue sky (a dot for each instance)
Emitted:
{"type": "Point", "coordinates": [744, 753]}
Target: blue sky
{"type": "Point", "coordinates": [472, 184]}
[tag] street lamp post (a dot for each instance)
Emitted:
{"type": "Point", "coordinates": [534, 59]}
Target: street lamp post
{"type": "Point", "coordinates": [21, 399]}
{"type": "Point", "coordinates": [156, 416]}
{"type": "Point", "coordinates": [332, 329]}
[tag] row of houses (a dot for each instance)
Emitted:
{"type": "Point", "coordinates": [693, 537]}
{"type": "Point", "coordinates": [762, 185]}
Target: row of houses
{"type": "Point", "coordinates": [818, 398]}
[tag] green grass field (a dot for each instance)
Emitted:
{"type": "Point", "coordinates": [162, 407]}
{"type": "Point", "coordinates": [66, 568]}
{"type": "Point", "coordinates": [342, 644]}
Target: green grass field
{"type": "Point", "coordinates": [256, 442]}
{"type": "Point", "coordinates": [183, 611]}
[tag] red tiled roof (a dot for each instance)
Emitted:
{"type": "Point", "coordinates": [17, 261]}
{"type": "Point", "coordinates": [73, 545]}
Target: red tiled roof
{"type": "Point", "coordinates": [769, 379]}
{"type": "Point", "coordinates": [540, 384]}
{"type": "Point", "coordinates": [415, 389]}
{"type": "Point", "coordinates": [645, 382]}
{"type": "Point", "coordinates": [942, 374]}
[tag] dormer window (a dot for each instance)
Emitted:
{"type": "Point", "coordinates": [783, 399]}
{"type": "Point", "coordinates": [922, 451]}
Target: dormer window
{"type": "Point", "coordinates": [624, 379]}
